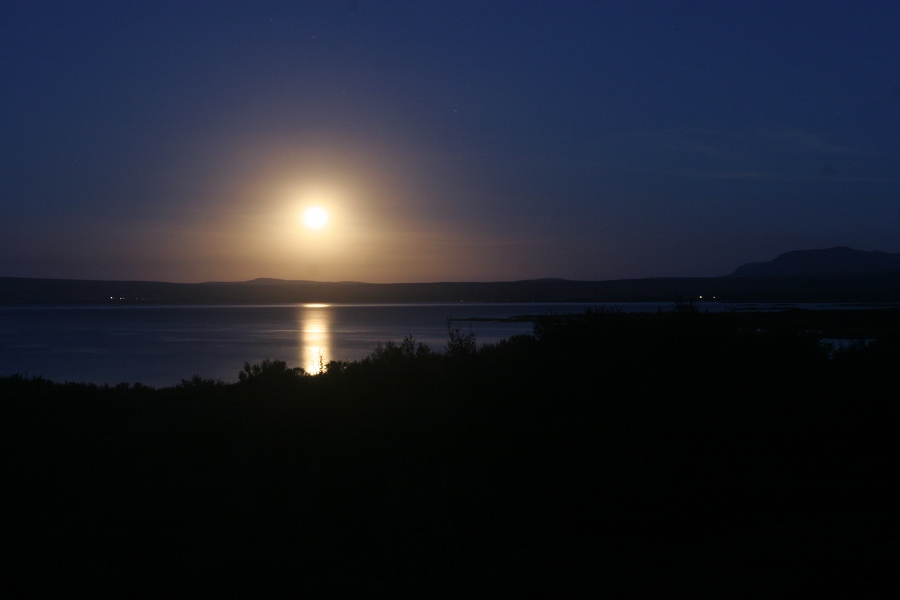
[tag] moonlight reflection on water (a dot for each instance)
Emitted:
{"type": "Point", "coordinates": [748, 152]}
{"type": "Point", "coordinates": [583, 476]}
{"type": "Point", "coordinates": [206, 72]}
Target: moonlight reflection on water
{"type": "Point", "coordinates": [161, 345]}
{"type": "Point", "coordinates": [314, 337]}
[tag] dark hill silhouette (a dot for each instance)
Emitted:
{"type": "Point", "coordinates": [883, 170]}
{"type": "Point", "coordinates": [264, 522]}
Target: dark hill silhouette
{"type": "Point", "coordinates": [829, 275]}
{"type": "Point", "coordinates": [828, 261]}
{"type": "Point", "coordinates": [856, 287]}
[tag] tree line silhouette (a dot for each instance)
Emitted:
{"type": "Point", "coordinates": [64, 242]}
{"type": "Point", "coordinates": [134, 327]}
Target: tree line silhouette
{"type": "Point", "coordinates": [715, 452]}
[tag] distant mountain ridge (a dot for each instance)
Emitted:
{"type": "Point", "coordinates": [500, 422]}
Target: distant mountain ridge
{"type": "Point", "coordinates": [853, 287]}
{"type": "Point", "coordinates": [828, 275]}
{"type": "Point", "coordinates": [841, 260]}
{"type": "Point", "coordinates": [275, 281]}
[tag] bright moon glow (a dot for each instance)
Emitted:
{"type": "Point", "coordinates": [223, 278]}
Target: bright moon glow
{"type": "Point", "coordinates": [315, 217]}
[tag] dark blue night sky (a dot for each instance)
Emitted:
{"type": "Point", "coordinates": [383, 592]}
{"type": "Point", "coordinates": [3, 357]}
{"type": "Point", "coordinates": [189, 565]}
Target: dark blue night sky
{"type": "Point", "coordinates": [462, 140]}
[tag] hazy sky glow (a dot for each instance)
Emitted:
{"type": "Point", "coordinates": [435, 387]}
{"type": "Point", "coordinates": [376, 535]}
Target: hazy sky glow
{"type": "Point", "coordinates": [457, 140]}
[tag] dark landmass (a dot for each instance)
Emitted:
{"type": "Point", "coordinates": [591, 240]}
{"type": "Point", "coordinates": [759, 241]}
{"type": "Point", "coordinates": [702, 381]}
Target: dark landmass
{"type": "Point", "coordinates": [857, 324]}
{"type": "Point", "coordinates": [676, 454]}
{"type": "Point", "coordinates": [829, 275]}
{"type": "Point", "coordinates": [856, 287]}
{"type": "Point", "coordinates": [829, 261]}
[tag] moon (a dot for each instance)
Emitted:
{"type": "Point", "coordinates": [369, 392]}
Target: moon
{"type": "Point", "coordinates": [315, 217]}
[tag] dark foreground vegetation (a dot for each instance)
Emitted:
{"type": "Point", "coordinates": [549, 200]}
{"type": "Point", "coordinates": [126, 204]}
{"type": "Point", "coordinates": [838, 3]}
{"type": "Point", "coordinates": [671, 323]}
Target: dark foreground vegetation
{"type": "Point", "coordinates": [664, 454]}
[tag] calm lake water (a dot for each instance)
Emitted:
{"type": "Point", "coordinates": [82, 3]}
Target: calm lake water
{"type": "Point", "coordinates": [160, 345]}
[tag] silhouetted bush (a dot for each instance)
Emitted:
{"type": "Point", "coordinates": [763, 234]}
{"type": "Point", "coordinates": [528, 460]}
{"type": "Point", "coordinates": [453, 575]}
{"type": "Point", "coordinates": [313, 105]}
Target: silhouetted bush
{"type": "Point", "coordinates": [604, 441]}
{"type": "Point", "coordinates": [269, 371]}
{"type": "Point", "coordinates": [407, 350]}
{"type": "Point", "coordinates": [459, 344]}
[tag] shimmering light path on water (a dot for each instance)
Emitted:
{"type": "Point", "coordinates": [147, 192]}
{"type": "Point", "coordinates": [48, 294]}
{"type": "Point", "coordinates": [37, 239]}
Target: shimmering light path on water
{"type": "Point", "coordinates": [160, 345]}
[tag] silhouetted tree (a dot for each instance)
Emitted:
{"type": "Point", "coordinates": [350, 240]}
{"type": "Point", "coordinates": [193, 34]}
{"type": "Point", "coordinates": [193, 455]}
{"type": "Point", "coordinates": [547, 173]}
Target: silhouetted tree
{"type": "Point", "coordinates": [460, 344]}
{"type": "Point", "coordinates": [270, 371]}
